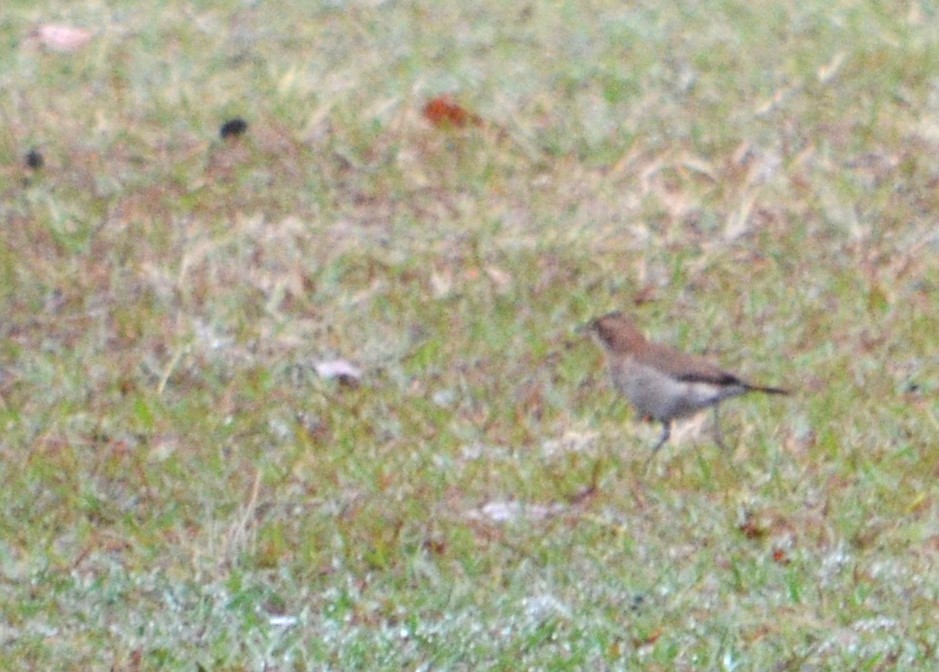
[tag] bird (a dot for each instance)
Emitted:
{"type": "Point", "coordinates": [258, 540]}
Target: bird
{"type": "Point", "coordinates": [663, 383]}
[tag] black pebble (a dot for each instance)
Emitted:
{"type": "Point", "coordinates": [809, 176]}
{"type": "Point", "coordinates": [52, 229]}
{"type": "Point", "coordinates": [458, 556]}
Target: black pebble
{"type": "Point", "coordinates": [34, 159]}
{"type": "Point", "coordinates": [233, 128]}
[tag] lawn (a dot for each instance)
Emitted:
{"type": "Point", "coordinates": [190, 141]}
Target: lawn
{"type": "Point", "coordinates": [313, 396]}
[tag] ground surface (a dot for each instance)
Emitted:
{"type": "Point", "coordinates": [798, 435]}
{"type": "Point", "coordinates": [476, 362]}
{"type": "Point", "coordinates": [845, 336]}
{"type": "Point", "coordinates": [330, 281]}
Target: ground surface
{"type": "Point", "coordinates": [187, 485]}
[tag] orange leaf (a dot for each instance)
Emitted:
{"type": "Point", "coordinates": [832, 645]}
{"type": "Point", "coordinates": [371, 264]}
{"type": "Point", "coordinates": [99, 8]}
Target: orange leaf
{"type": "Point", "coordinates": [444, 111]}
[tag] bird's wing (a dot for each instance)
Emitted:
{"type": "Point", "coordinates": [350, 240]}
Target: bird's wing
{"type": "Point", "coordinates": [693, 368]}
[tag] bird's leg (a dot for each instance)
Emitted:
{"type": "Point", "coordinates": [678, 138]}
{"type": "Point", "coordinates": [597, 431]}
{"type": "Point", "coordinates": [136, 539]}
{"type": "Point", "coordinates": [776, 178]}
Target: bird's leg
{"type": "Point", "coordinates": [666, 432]}
{"type": "Point", "coordinates": [718, 435]}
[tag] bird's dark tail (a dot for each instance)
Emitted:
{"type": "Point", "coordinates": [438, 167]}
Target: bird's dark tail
{"type": "Point", "coordinates": [766, 390]}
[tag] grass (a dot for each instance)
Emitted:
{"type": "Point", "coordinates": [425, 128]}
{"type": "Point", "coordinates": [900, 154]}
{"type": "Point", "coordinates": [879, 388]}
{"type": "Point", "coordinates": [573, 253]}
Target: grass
{"type": "Point", "coordinates": [182, 490]}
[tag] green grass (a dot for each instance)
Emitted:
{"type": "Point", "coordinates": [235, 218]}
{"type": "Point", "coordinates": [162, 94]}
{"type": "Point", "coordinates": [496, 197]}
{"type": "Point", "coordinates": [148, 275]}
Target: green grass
{"type": "Point", "coordinates": [180, 488]}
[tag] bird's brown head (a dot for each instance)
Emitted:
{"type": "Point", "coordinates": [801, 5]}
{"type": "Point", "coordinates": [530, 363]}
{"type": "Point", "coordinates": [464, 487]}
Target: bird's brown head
{"type": "Point", "coordinates": [617, 333]}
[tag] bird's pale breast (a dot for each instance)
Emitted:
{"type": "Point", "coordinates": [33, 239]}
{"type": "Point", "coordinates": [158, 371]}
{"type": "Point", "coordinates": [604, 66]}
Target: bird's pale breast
{"type": "Point", "coordinates": [661, 396]}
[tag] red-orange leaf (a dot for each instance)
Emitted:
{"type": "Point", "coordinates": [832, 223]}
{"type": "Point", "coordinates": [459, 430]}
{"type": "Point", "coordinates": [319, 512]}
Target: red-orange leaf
{"type": "Point", "coordinates": [780, 556]}
{"type": "Point", "coordinates": [444, 111]}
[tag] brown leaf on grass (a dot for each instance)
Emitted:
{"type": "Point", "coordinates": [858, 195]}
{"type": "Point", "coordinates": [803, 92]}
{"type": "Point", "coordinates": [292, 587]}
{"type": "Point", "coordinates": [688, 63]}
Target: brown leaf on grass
{"type": "Point", "coordinates": [445, 112]}
{"type": "Point", "coordinates": [648, 293]}
{"type": "Point", "coordinates": [750, 528]}
{"type": "Point", "coordinates": [649, 639]}
{"type": "Point", "coordinates": [435, 545]}
{"type": "Point", "coordinates": [780, 556]}
{"type": "Point", "coordinates": [61, 38]}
